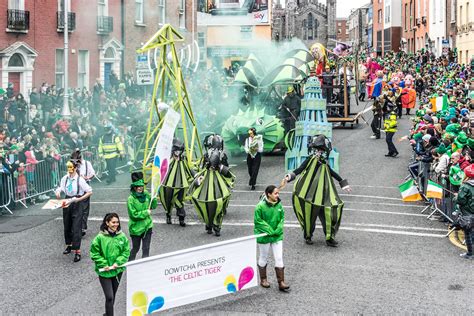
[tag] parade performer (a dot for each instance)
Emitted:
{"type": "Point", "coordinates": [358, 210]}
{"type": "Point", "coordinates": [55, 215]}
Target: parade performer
{"type": "Point", "coordinates": [390, 127]}
{"type": "Point", "coordinates": [76, 190]}
{"type": "Point", "coordinates": [408, 95]}
{"type": "Point", "coordinates": [314, 192]}
{"type": "Point", "coordinates": [176, 183]}
{"type": "Point", "coordinates": [377, 117]}
{"type": "Point", "coordinates": [290, 109]}
{"type": "Point", "coordinates": [109, 250]}
{"type": "Point", "coordinates": [269, 219]}
{"type": "Point", "coordinates": [86, 171]}
{"type": "Point", "coordinates": [140, 224]}
{"type": "Point", "coordinates": [375, 87]}
{"type": "Point", "coordinates": [110, 148]}
{"type": "Point", "coordinates": [253, 148]}
{"type": "Point", "coordinates": [211, 190]}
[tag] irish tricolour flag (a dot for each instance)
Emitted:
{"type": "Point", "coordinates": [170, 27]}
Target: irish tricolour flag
{"type": "Point", "coordinates": [409, 191]}
{"type": "Point", "coordinates": [434, 190]}
{"type": "Point", "coordinates": [439, 103]}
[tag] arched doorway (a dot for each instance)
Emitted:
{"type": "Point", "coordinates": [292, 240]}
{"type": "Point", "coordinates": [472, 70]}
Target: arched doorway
{"type": "Point", "coordinates": [110, 56]}
{"type": "Point", "coordinates": [14, 77]}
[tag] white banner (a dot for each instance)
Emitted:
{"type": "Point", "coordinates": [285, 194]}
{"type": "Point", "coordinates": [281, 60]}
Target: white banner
{"type": "Point", "coordinates": [191, 275]}
{"type": "Point", "coordinates": [163, 150]}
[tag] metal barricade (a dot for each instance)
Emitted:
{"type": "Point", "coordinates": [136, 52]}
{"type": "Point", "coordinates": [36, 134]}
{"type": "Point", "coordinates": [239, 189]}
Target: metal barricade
{"type": "Point", "coordinates": [33, 180]}
{"type": "Point", "coordinates": [5, 191]}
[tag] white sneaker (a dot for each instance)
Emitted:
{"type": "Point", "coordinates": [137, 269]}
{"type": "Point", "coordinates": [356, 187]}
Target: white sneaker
{"type": "Point", "coordinates": [373, 137]}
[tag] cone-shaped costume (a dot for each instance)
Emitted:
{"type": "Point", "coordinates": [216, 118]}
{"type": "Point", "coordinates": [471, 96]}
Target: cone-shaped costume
{"type": "Point", "coordinates": [315, 195]}
{"type": "Point", "coordinates": [176, 183]}
{"type": "Point", "coordinates": [211, 191]}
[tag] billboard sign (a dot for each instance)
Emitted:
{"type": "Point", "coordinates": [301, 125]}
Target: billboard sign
{"type": "Point", "coordinates": [234, 12]}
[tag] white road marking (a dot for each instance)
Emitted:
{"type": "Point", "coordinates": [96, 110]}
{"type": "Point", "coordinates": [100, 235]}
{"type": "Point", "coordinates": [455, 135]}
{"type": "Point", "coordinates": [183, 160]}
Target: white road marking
{"type": "Point", "coordinates": [290, 207]}
{"type": "Point", "coordinates": [340, 194]}
{"type": "Point", "coordinates": [294, 224]}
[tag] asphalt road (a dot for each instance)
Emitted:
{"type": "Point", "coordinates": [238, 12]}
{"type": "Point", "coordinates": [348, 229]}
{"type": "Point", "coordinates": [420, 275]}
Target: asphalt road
{"type": "Point", "coordinates": [391, 260]}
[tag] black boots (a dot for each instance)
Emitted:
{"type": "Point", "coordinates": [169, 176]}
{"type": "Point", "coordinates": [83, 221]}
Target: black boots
{"type": "Point", "coordinates": [331, 242]}
{"type": "Point", "coordinates": [77, 257]}
{"type": "Point", "coordinates": [263, 276]}
{"type": "Point", "coordinates": [217, 231]}
{"type": "Point", "coordinates": [282, 286]}
{"type": "Point", "coordinates": [168, 219]}
{"type": "Point", "coordinates": [67, 250]}
{"type": "Point", "coordinates": [309, 241]}
{"type": "Point", "coordinates": [181, 221]}
{"type": "Point", "coordinates": [209, 229]}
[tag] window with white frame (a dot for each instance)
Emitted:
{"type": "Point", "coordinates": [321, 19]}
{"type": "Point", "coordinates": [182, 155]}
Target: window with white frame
{"type": "Point", "coordinates": [418, 12]}
{"type": "Point", "coordinates": [453, 11]}
{"type": "Point", "coordinates": [103, 8]}
{"type": "Point", "coordinates": [182, 14]}
{"type": "Point", "coordinates": [161, 12]}
{"type": "Point", "coordinates": [16, 4]}
{"type": "Point", "coordinates": [434, 11]}
{"type": "Point", "coordinates": [441, 10]}
{"type": "Point", "coordinates": [59, 68]}
{"type": "Point", "coordinates": [83, 69]}
{"type": "Point", "coordinates": [61, 5]}
{"type": "Point", "coordinates": [387, 14]}
{"type": "Point", "coordinates": [139, 11]}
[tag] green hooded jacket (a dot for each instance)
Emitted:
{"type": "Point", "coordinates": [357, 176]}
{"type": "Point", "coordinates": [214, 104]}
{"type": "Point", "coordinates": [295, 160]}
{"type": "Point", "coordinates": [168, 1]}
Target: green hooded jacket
{"type": "Point", "coordinates": [140, 221]}
{"type": "Point", "coordinates": [269, 219]}
{"type": "Point", "coordinates": [465, 198]}
{"type": "Point", "coordinates": [107, 250]}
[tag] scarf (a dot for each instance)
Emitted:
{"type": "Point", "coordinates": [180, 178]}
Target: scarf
{"type": "Point", "coordinates": [253, 145]}
{"type": "Point", "coordinates": [141, 197]}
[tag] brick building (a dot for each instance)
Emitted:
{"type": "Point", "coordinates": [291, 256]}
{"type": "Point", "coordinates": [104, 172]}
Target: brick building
{"type": "Point", "coordinates": [342, 31]}
{"type": "Point", "coordinates": [415, 24]}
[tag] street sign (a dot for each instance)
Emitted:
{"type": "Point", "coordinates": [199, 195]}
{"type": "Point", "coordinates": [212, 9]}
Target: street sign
{"type": "Point", "coordinates": [142, 61]}
{"type": "Point", "coordinates": [144, 77]}
{"type": "Point", "coordinates": [445, 46]}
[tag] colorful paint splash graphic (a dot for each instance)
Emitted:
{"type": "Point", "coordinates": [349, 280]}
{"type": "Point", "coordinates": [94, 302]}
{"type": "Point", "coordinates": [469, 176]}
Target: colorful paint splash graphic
{"type": "Point", "coordinates": [246, 275]}
{"type": "Point", "coordinates": [140, 303]}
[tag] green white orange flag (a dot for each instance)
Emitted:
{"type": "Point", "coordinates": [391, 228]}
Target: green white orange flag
{"type": "Point", "coordinates": [409, 191]}
{"type": "Point", "coordinates": [439, 103]}
{"type": "Point", "coordinates": [434, 190]}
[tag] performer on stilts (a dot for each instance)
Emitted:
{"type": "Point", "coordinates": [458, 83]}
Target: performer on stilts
{"type": "Point", "coordinates": [176, 183]}
{"type": "Point", "coordinates": [315, 194]}
{"type": "Point", "coordinates": [211, 190]}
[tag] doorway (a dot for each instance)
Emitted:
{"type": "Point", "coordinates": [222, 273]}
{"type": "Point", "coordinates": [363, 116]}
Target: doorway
{"type": "Point", "coordinates": [107, 70]}
{"type": "Point", "coordinates": [14, 77]}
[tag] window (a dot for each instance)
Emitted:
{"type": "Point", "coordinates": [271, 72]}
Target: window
{"type": "Point", "coordinates": [83, 69]}
{"type": "Point", "coordinates": [305, 30]}
{"type": "Point", "coordinates": [418, 12]}
{"type": "Point", "coordinates": [338, 23]}
{"type": "Point", "coordinates": [310, 26]}
{"type": "Point", "coordinates": [379, 16]}
{"type": "Point", "coordinates": [406, 16]}
{"type": "Point", "coordinates": [61, 5]}
{"type": "Point", "coordinates": [15, 61]}
{"type": "Point", "coordinates": [202, 45]}
{"type": "Point", "coordinates": [59, 68]}
{"type": "Point", "coordinates": [434, 11]}
{"type": "Point", "coordinates": [103, 8]}
{"type": "Point", "coordinates": [246, 32]}
{"type": "Point", "coordinates": [182, 14]}
{"type": "Point", "coordinates": [442, 10]}
{"type": "Point", "coordinates": [387, 14]}
{"type": "Point", "coordinates": [453, 11]}
{"type": "Point", "coordinates": [460, 17]}
{"type": "Point", "coordinates": [339, 31]}
{"type": "Point", "coordinates": [109, 53]}
{"type": "Point", "coordinates": [16, 4]}
{"type": "Point", "coordinates": [161, 12]}
{"type": "Point", "coordinates": [467, 16]}
{"type": "Point", "coordinates": [139, 11]}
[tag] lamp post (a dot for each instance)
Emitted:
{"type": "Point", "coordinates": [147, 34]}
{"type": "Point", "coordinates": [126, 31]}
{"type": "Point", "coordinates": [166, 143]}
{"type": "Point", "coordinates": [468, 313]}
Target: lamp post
{"type": "Point", "coordinates": [66, 112]}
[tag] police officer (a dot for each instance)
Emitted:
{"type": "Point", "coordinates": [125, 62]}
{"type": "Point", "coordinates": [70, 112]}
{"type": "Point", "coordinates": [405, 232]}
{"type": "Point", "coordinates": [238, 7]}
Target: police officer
{"type": "Point", "coordinates": [87, 172]}
{"type": "Point", "coordinates": [76, 190]}
{"type": "Point", "coordinates": [110, 148]}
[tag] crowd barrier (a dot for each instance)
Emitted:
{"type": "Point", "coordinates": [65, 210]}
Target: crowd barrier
{"type": "Point", "coordinates": [5, 191]}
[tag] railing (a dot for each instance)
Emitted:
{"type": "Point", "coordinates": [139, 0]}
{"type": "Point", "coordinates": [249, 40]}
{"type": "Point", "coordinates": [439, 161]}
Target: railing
{"type": "Point", "coordinates": [105, 24]}
{"type": "Point", "coordinates": [18, 20]}
{"type": "Point", "coordinates": [71, 21]}
{"type": "Point", "coordinates": [5, 190]}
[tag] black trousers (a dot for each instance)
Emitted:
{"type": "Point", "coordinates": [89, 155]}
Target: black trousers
{"type": "Point", "coordinates": [253, 165]}
{"type": "Point", "coordinates": [111, 165]}
{"type": "Point", "coordinates": [110, 287]}
{"type": "Point", "coordinates": [137, 240]}
{"type": "Point", "coordinates": [375, 125]}
{"type": "Point", "coordinates": [389, 140]}
{"type": "Point", "coordinates": [72, 220]}
{"type": "Point", "coordinates": [468, 236]}
{"type": "Point", "coordinates": [85, 212]}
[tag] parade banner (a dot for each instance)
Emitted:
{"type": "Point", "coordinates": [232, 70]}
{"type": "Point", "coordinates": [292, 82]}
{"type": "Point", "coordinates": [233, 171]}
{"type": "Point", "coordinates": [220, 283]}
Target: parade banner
{"type": "Point", "coordinates": [163, 150]}
{"type": "Point", "coordinates": [191, 275]}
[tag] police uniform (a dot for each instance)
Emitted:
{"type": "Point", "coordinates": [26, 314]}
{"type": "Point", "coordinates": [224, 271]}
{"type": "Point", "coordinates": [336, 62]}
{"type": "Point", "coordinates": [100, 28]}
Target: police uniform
{"type": "Point", "coordinates": [110, 148]}
{"type": "Point", "coordinates": [86, 171]}
{"type": "Point", "coordinates": [73, 187]}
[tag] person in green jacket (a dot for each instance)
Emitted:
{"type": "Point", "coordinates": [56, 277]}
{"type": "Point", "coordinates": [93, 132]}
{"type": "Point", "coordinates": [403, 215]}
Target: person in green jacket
{"type": "Point", "coordinates": [269, 219]}
{"type": "Point", "coordinates": [110, 250]}
{"type": "Point", "coordinates": [140, 224]}
{"type": "Point", "coordinates": [465, 202]}
{"type": "Point", "coordinates": [390, 127]}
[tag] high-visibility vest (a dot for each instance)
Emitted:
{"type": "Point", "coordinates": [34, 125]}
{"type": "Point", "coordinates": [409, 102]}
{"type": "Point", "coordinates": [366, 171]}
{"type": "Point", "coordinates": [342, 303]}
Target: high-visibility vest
{"type": "Point", "coordinates": [110, 146]}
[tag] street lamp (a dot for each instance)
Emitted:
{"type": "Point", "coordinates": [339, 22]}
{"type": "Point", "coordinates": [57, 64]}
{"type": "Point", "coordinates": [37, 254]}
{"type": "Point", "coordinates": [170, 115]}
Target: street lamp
{"type": "Point", "coordinates": [66, 112]}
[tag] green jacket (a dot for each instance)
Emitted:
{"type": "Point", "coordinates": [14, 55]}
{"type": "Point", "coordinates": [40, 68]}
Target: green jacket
{"type": "Point", "coordinates": [465, 198]}
{"type": "Point", "coordinates": [107, 250]}
{"type": "Point", "coordinates": [140, 221]}
{"type": "Point", "coordinates": [269, 218]}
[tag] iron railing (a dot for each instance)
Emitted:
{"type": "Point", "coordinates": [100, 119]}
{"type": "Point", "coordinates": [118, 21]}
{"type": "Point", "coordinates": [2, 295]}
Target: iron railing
{"type": "Point", "coordinates": [71, 21]}
{"type": "Point", "coordinates": [105, 24]}
{"type": "Point", "coordinates": [18, 20]}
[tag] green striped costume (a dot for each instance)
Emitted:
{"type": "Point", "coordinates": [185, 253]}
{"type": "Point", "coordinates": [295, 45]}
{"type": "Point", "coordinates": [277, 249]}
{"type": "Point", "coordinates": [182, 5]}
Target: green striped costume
{"type": "Point", "coordinates": [315, 194]}
{"type": "Point", "coordinates": [174, 186]}
{"type": "Point", "coordinates": [211, 197]}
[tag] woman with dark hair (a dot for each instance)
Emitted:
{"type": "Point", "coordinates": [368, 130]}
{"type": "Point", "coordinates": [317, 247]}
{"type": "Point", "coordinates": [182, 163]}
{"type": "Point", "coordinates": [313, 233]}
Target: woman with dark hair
{"type": "Point", "coordinates": [254, 148]}
{"type": "Point", "coordinates": [110, 250]}
{"type": "Point", "coordinates": [269, 219]}
{"type": "Point", "coordinates": [140, 225]}
{"type": "Point", "coordinates": [77, 191]}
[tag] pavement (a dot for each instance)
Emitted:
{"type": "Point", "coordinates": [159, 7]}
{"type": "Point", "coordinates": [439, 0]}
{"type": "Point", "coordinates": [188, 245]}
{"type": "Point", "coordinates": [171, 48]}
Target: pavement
{"type": "Point", "coordinates": [391, 259]}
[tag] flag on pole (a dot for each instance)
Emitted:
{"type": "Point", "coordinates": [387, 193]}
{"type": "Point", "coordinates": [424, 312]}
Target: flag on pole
{"type": "Point", "coordinates": [434, 190]}
{"type": "Point", "coordinates": [409, 191]}
{"type": "Point", "coordinates": [163, 150]}
{"type": "Point", "coordinates": [439, 103]}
